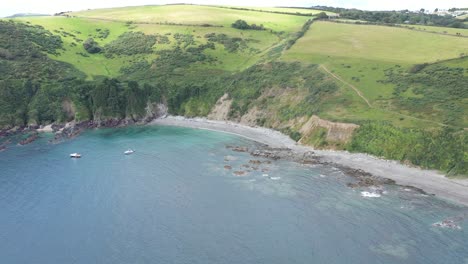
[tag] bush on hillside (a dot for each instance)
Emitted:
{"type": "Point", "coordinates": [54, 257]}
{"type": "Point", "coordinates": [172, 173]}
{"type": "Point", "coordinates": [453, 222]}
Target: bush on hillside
{"type": "Point", "coordinates": [230, 44]}
{"type": "Point", "coordinates": [243, 25]}
{"type": "Point", "coordinates": [131, 43]}
{"type": "Point", "coordinates": [439, 149]}
{"type": "Point", "coordinates": [91, 46]}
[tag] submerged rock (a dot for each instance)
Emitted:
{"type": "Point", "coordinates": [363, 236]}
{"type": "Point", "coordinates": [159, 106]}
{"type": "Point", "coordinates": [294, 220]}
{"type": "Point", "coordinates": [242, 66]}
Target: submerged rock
{"type": "Point", "coordinates": [227, 167]}
{"type": "Point", "coordinates": [31, 138]}
{"type": "Point", "coordinates": [238, 148]}
{"type": "Point", "coordinates": [239, 173]}
{"type": "Point", "coordinates": [364, 179]}
{"type": "Point", "coordinates": [447, 223]}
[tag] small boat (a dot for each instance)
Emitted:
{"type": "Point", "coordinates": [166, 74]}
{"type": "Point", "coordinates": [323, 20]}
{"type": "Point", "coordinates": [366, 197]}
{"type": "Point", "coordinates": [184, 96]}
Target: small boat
{"type": "Point", "coordinates": [129, 151]}
{"type": "Point", "coordinates": [75, 155]}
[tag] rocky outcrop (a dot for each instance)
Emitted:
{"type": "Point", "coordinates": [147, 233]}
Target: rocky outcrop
{"type": "Point", "coordinates": [221, 109]}
{"type": "Point", "coordinates": [73, 129]}
{"type": "Point", "coordinates": [31, 138]}
{"type": "Point", "coordinates": [336, 132]}
{"type": "Point", "coordinates": [68, 109]}
{"type": "Point", "coordinates": [251, 117]}
{"type": "Point", "coordinates": [155, 110]}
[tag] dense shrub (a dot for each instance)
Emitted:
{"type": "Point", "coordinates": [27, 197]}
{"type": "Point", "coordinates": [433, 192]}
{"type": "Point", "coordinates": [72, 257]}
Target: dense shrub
{"type": "Point", "coordinates": [443, 149]}
{"type": "Point", "coordinates": [436, 90]}
{"type": "Point", "coordinates": [230, 44]}
{"type": "Point", "coordinates": [91, 46]}
{"type": "Point", "coordinates": [243, 25]}
{"type": "Point", "coordinates": [131, 43]}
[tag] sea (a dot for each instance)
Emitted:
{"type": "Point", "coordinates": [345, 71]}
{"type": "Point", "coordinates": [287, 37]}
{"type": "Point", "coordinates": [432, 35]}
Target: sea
{"type": "Point", "coordinates": [184, 196]}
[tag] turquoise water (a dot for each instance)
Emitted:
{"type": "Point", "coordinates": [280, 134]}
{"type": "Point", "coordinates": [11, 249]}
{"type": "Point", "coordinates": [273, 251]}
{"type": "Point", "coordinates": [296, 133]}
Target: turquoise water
{"type": "Point", "coordinates": [174, 202]}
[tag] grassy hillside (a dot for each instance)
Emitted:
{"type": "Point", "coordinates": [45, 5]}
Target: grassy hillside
{"type": "Point", "coordinates": [404, 87]}
{"type": "Point", "coordinates": [194, 15]}
{"type": "Point", "coordinates": [285, 10]}
{"type": "Point", "coordinates": [379, 43]}
{"type": "Point", "coordinates": [166, 21]}
{"type": "Point", "coordinates": [360, 56]}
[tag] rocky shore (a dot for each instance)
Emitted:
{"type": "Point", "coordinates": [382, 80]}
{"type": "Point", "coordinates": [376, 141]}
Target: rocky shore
{"type": "Point", "coordinates": [61, 131]}
{"type": "Point", "coordinates": [263, 151]}
{"type": "Point", "coordinates": [366, 169]}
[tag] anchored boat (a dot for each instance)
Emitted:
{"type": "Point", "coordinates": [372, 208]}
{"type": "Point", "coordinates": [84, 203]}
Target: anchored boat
{"type": "Point", "coordinates": [75, 155]}
{"type": "Point", "coordinates": [129, 151]}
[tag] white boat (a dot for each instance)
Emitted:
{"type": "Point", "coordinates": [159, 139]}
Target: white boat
{"type": "Point", "coordinates": [75, 155]}
{"type": "Point", "coordinates": [129, 151]}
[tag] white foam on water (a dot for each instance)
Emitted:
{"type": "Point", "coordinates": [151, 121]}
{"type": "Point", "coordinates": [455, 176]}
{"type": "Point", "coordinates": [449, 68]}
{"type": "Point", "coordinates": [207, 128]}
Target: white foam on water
{"type": "Point", "coordinates": [447, 224]}
{"type": "Point", "coordinates": [370, 194]}
{"type": "Point", "coordinates": [275, 178]}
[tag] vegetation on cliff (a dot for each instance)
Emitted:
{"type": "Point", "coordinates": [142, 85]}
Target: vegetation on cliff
{"type": "Point", "coordinates": [403, 88]}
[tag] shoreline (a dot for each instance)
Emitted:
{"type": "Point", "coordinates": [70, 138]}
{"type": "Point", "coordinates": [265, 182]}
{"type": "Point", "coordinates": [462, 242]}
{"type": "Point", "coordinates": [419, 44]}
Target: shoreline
{"type": "Point", "coordinates": [431, 181]}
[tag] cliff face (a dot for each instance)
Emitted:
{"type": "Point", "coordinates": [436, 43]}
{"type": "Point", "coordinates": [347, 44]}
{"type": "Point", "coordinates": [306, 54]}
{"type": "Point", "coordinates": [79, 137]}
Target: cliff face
{"type": "Point", "coordinates": [335, 132]}
{"type": "Point", "coordinates": [308, 130]}
{"type": "Point", "coordinates": [221, 109]}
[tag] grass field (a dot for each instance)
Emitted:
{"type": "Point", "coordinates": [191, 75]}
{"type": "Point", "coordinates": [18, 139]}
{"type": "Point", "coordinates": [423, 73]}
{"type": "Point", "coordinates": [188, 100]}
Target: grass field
{"type": "Point", "coordinates": [379, 43]}
{"type": "Point", "coordinates": [191, 14]}
{"type": "Point", "coordinates": [292, 10]}
{"type": "Point", "coordinates": [360, 54]}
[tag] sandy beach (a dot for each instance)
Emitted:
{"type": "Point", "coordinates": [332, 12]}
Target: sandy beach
{"type": "Point", "coordinates": [432, 182]}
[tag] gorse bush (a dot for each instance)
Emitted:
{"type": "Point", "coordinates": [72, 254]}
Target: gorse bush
{"type": "Point", "coordinates": [91, 46]}
{"type": "Point", "coordinates": [243, 25]}
{"type": "Point", "coordinates": [436, 89]}
{"type": "Point", "coordinates": [230, 44]}
{"type": "Point", "coordinates": [131, 43]}
{"type": "Point", "coordinates": [444, 149]}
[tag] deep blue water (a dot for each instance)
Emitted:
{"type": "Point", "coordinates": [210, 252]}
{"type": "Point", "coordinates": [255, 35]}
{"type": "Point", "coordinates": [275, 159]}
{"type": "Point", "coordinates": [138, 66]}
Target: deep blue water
{"type": "Point", "coordinates": [174, 202]}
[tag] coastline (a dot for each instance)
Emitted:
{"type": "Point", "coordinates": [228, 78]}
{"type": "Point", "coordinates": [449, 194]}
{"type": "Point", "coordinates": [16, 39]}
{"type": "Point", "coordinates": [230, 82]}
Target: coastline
{"type": "Point", "coordinates": [431, 181]}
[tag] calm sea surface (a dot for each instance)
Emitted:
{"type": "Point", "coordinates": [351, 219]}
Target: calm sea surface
{"type": "Point", "coordinates": [173, 201]}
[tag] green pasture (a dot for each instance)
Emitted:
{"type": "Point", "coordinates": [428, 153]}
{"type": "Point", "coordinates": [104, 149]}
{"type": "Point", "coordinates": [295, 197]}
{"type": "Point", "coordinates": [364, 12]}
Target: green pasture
{"type": "Point", "coordinates": [196, 15]}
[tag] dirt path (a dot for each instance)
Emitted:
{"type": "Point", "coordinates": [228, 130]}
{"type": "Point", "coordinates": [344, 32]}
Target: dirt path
{"type": "Point", "coordinates": [358, 92]}
{"type": "Point", "coordinates": [348, 84]}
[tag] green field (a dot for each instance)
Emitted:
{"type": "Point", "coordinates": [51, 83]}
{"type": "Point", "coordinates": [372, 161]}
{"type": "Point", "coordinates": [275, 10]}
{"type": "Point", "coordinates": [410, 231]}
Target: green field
{"type": "Point", "coordinates": [195, 15]}
{"type": "Point", "coordinates": [379, 43]}
{"type": "Point", "coordinates": [292, 10]}
{"type": "Point", "coordinates": [360, 54]}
